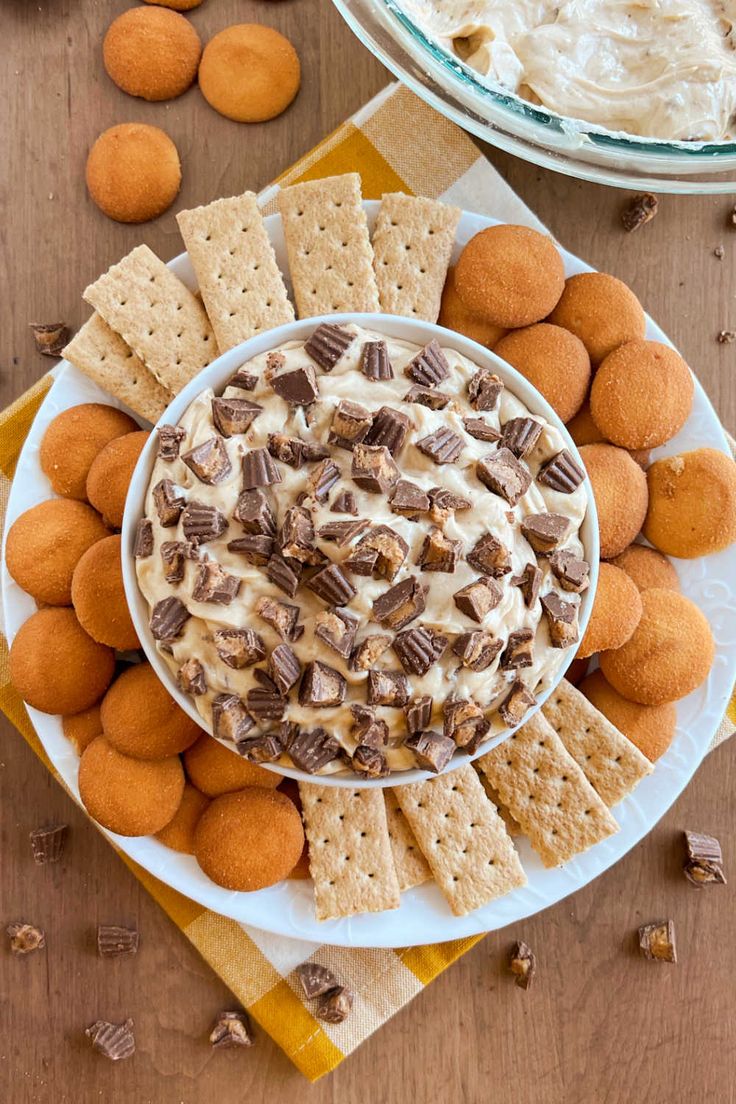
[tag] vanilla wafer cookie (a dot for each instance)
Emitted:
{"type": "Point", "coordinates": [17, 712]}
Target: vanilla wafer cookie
{"type": "Point", "coordinates": [463, 839]}
{"type": "Point", "coordinates": [329, 249]}
{"type": "Point", "coordinates": [545, 790]}
{"type": "Point", "coordinates": [104, 357]}
{"type": "Point", "coordinates": [412, 868]}
{"type": "Point", "coordinates": [412, 246]}
{"type": "Point", "coordinates": [159, 318]}
{"type": "Point", "coordinates": [349, 850]}
{"type": "Point", "coordinates": [610, 762]}
{"type": "Point", "coordinates": [241, 286]}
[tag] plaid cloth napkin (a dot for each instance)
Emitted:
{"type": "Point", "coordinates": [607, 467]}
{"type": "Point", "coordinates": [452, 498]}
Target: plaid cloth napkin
{"type": "Point", "coordinates": [256, 966]}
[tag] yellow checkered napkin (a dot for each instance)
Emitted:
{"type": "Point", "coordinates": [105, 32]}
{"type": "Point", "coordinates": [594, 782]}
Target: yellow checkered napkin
{"type": "Point", "coordinates": [258, 967]}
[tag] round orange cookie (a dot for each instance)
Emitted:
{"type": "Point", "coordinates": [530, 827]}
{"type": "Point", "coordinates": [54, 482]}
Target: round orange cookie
{"type": "Point", "coordinates": [601, 310]}
{"type": "Point", "coordinates": [650, 727]}
{"type": "Point", "coordinates": [620, 490]}
{"type": "Point", "coordinates": [56, 667]}
{"type": "Point", "coordinates": [152, 53]}
{"type": "Point", "coordinates": [82, 728]}
{"type": "Point", "coordinates": [669, 655]}
{"type": "Point", "coordinates": [641, 395]}
{"type": "Point", "coordinates": [455, 315]}
{"type": "Point", "coordinates": [133, 173]}
{"type": "Point", "coordinates": [554, 361]}
{"type": "Point", "coordinates": [584, 431]}
{"type": "Point", "coordinates": [126, 795]}
{"type": "Point", "coordinates": [215, 770]}
{"type": "Point", "coordinates": [45, 544]}
{"type": "Point", "coordinates": [99, 598]}
{"type": "Point", "coordinates": [249, 839]}
{"type": "Point", "coordinates": [110, 475]}
{"type": "Point", "coordinates": [511, 275]}
{"type": "Point", "coordinates": [140, 718]}
{"type": "Point", "coordinates": [692, 503]}
{"type": "Point", "coordinates": [73, 439]}
{"type": "Point", "coordinates": [647, 567]}
{"type": "Point", "coordinates": [178, 834]}
{"type": "Point", "coordinates": [177, 5]}
{"type": "Point", "coordinates": [249, 73]}
{"type": "Point", "coordinates": [615, 614]}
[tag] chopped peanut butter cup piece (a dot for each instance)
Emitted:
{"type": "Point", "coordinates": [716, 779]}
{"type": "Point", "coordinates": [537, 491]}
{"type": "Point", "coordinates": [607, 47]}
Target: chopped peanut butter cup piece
{"type": "Point", "coordinates": [429, 366]}
{"type": "Point", "coordinates": [367, 729]}
{"type": "Point", "coordinates": [255, 514]}
{"type": "Point", "coordinates": [704, 861]}
{"type": "Point", "coordinates": [296, 536]}
{"type": "Point", "coordinates": [265, 703]}
{"type": "Point", "coordinates": [418, 713]}
{"type": "Point", "coordinates": [47, 843]}
{"type": "Point", "coordinates": [233, 416]}
{"type": "Point", "coordinates": [387, 688]}
{"type": "Point", "coordinates": [350, 423]}
{"type": "Point", "coordinates": [284, 668]}
{"type": "Point", "coordinates": [562, 473]}
{"type": "Point", "coordinates": [369, 651]}
{"type": "Point", "coordinates": [332, 585]}
{"type": "Point", "coordinates": [484, 388]}
{"type": "Point", "coordinates": [202, 523]}
{"type": "Point", "coordinates": [545, 531]}
{"type": "Point", "coordinates": [322, 479]}
{"type": "Point", "coordinates": [191, 678]}
{"type": "Point", "coordinates": [476, 599]}
{"type": "Point", "coordinates": [562, 620]}
{"type": "Point", "coordinates": [657, 941]}
{"type": "Point", "coordinates": [143, 541]}
{"type": "Point", "coordinates": [522, 964]}
{"type": "Point", "coordinates": [280, 616]}
{"type": "Point", "coordinates": [570, 570]}
{"type": "Point", "coordinates": [443, 446]}
{"type": "Point", "coordinates": [439, 553]}
{"type": "Point", "coordinates": [444, 503]}
{"type": "Point", "coordinates": [173, 558]}
{"type": "Point", "coordinates": [315, 980]}
{"type": "Point", "coordinates": [25, 938]}
{"type": "Point", "coordinates": [477, 650]}
{"type": "Point", "coordinates": [170, 438]}
{"type": "Point", "coordinates": [520, 435]}
{"type": "Point", "coordinates": [283, 575]}
{"type": "Point", "coordinates": [238, 648]}
{"type": "Point", "coordinates": [243, 380]}
{"type": "Point", "coordinates": [519, 651]}
{"type": "Point", "coordinates": [231, 1029]}
{"type": "Point", "coordinates": [489, 556]}
{"type": "Point", "coordinates": [335, 1006]}
{"type": "Point", "coordinates": [209, 461]}
{"type": "Point", "coordinates": [369, 762]}
{"type": "Point", "coordinates": [464, 723]}
{"type": "Point", "coordinates": [516, 704]}
{"type": "Point", "coordinates": [344, 503]}
{"type": "Point", "coordinates": [337, 629]}
{"type": "Point", "coordinates": [374, 361]}
{"type": "Point", "coordinates": [389, 428]}
{"type": "Point", "coordinates": [425, 396]}
{"type": "Point", "coordinates": [297, 386]}
{"type": "Point", "coordinates": [400, 604]}
{"type": "Point", "coordinates": [113, 1041]}
{"type": "Point", "coordinates": [312, 751]}
{"type": "Point", "coordinates": [321, 686]}
{"type": "Point", "coordinates": [261, 749]}
{"type": "Point", "coordinates": [213, 584]}
{"type": "Point", "coordinates": [259, 469]}
{"type": "Point", "coordinates": [168, 618]}
{"type": "Point", "coordinates": [342, 532]}
{"type": "Point", "coordinates": [408, 499]}
{"type": "Point", "coordinates": [503, 474]}
{"type": "Point", "coordinates": [374, 469]}
{"type": "Point", "coordinates": [481, 430]}
{"type": "Point", "coordinates": [230, 720]}
{"type": "Point", "coordinates": [114, 941]}
{"type": "Point", "coordinates": [432, 750]}
{"type": "Point", "coordinates": [418, 648]}
{"type": "Point", "coordinates": [529, 583]}
{"type": "Point", "coordinates": [390, 550]}
{"type": "Point", "coordinates": [328, 344]}
{"type": "Point", "coordinates": [295, 451]}
{"type": "Point", "coordinates": [253, 548]}
{"type": "Point", "coordinates": [169, 504]}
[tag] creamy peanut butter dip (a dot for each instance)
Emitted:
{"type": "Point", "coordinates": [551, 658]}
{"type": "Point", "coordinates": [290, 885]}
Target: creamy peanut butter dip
{"type": "Point", "coordinates": [655, 68]}
{"type": "Point", "coordinates": [306, 535]}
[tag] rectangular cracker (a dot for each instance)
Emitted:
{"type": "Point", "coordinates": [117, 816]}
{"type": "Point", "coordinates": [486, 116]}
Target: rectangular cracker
{"type": "Point", "coordinates": [412, 245]}
{"type": "Point", "coordinates": [412, 868]}
{"type": "Point", "coordinates": [161, 320]}
{"type": "Point", "coordinates": [102, 355]}
{"type": "Point", "coordinates": [329, 249]}
{"type": "Point", "coordinates": [241, 286]}
{"type": "Point", "coordinates": [610, 762]}
{"type": "Point", "coordinates": [349, 850]}
{"type": "Point", "coordinates": [547, 793]}
{"type": "Point", "coordinates": [463, 839]}
{"type": "Point", "coordinates": [512, 826]}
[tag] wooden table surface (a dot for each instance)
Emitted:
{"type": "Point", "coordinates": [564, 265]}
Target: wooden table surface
{"type": "Point", "coordinates": [601, 1025]}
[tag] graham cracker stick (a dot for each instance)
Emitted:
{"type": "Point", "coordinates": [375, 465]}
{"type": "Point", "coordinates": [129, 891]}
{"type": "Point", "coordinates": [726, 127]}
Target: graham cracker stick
{"type": "Point", "coordinates": [102, 355]}
{"type": "Point", "coordinates": [412, 868]}
{"type": "Point", "coordinates": [349, 850]}
{"type": "Point", "coordinates": [463, 839]}
{"type": "Point", "coordinates": [547, 793]}
{"type": "Point", "coordinates": [412, 244]}
{"type": "Point", "coordinates": [330, 254]}
{"type": "Point", "coordinates": [157, 316]}
{"type": "Point", "coordinates": [610, 762]}
{"type": "Point", "coordinates": [233, 259]}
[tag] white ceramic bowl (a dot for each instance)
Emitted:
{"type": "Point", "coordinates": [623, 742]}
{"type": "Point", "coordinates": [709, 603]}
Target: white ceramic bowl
{"type": "Point", "coordinates": [216, 376]}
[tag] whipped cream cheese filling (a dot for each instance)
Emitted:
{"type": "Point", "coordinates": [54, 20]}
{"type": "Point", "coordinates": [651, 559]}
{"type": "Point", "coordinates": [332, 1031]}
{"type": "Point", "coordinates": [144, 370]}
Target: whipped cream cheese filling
{"type": "Point", "coordinates": [488, 512]}
{"type": "Point", "coordinates": [654, 68]}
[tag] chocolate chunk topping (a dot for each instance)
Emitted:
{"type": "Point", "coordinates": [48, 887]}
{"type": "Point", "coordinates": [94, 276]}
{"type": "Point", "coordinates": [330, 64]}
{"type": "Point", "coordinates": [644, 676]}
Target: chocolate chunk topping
{"type": "Point", "coordinates": [480, 429]}
{"type": "Point", "coordinates": [408, 499]}
{"type": "Point", "coordinates": [374, 361]}
{"type": "Point", "coordinates": [336, 1005]}
{"type": "Point", "coordinates": [238, 648]}
{"type": "Point", "coordinates": [113, 1041]}
{"type": "Point", "coordinates": [373, 468]}
{"type": "Point", "coordinates": [350, 423]}
{"type": "Point", "coordinates": [520, 435]}
{"type": "Point", "coordinates": [657, 941]}
{"type": "Point", "coordinates": [233, 416]}
{"type": "Point", "coordinates": [362, 561]}
{"type": "Point", "coordinates": [170, 438]}
{"type": "Point", "coordinates": [369, 651]}
{"type": "Point", "coordinates": [418, 648]}
{"type": "Point", "coordinates": [296, 537]}
{"type": "Point", "coordinates": [261, 749]}
{"type": "Point", "coordinates": [503, 474]}
{"type": "Point", "coordinates": [337, 629]}
{"type": "Point", "coordinates": [321, 686]}
{"type": "Point", "coordinates": [280, 616]}
{"type": "Point", "coordinates": [173, 557]}
{"type": "Point", "coordinates": [439, 553]}
{"type": "Point", "coordinates": [389, 428]}
{"type": "Point", "coordinates": [114, 941]}
{"type": "Point", "coordinates": [315, 980]}
{"type": "Point", "coordinates": [342, 532]}
{"type": "Point", "coordinates": [562, 620]}
{"type": "Point", "coordinates": [332, 585]}
{"type": "Point", "coordinates": [202, 523]}
{"type": "Point", "coordinates": [328, 344]}
{"type": "Point", "coordinates": [168, 618]}
{"type": "Point", "coordinates": [516, 704]}
{"type": "Point", "coordinates": [519, 651]}
{"type": "Point", "coordinates": [571, 571]}
{"type": "Point", "coordinates": [283, 574]}
{"type": "Point", "coordinates": [284, 668]}
{"type": "Point", "coordinates": [528, 583]}
{"type": "Point", "coordinates": [523, 965]}
{"type": "Point", "coordinates": [230, 720]}
{"type": "Point", "coordinates": [477, 650]}
{"type": "Point", "coordinates": [464, 723]}
{"type": "Point", "coordinates": [265, 703]}
{"type": "Point", "coordinates": [367, 730]}
{"type": "Point", "coordinates": [429, 366]}
{"type": "Point", "coordinates": [231, 1029]}
{"type": "Point", "coordinates": [298, 386]}
{"type": "Point", "coordinates": [322, 479]}
{"type": "Point", "coordinates": [344, 503]}
{"type": "Point", "coordinates": [25, 938]}
{"type": "Point", "coordinates": [191, 678]}
{"type": "Point", "coordinates": [562, 473]}
{"type": "Point", "coordinates": [484, 387]}
{"type": "Point", "coordinates": [243, 380]}
{"type": "Point", "coordinates": [400, 604]}
{"type": "Point", "coordinates": [704, 861]}
{"type": "Point", "coordinates": [418, 713]}
{"type": "Point", "coordinates": [259, 469]}
{"type": "Point", "coordinates": [390, 550]}
{"type": "Point", "coordinates": [294, 451]}
{"type": "Point", "coordinates": [168, 503]}
{"type": "Point", "coordinates": [253, 548]}
{"type": "Point", "coordinates": [425, 396]}
{"type": "Point", "coordinates": [255, 514]}
{"type": "Point", "coordinates": [369, 762]}
{"type": "Point", "coordinates": [443, 503]}
{"type": "Point", "coordinates": [545, 531]}
{"type": "Point", "coordinates": [143, 541]}
{"type": "Point", "coordinates": [476, 599]}
{"type": "Point", "coordinates": [275, 362]}
{"type": "Point", "coordinates": [47, 843]}
{"type": "Point", "coordinates": [209, 461]}
{"type": "Point", "coordinates": [311, 751]}
{"type": "Point", "coordinates": [442, 447]}
{"type": "Point", "coordinates": [213, 584]}
{"type": "Point", "coordinates": [489, 556]}
{"type": "Point", "coordinates": [387, 688]}
{"type": "Point", "coordinates": [432, 750]}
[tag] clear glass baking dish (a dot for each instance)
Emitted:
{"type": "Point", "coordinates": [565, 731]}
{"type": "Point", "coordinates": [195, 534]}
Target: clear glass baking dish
{"type": "Point", "coordinates": [568, 146]}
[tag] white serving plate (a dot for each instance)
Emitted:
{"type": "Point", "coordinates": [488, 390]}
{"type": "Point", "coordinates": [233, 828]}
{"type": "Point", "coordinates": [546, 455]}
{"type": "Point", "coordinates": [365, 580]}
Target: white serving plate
{"type": "Point", "coordinates": [423, 917]}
